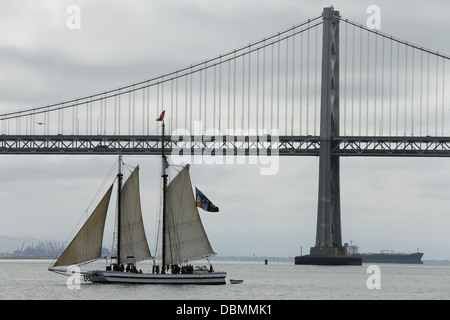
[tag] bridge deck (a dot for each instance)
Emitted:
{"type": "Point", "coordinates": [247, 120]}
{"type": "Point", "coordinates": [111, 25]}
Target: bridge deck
{"type": "Point", "coordinates": [226, 145]}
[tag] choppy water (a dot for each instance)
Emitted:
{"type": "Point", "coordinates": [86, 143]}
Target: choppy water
{"type": "Point", "coordinates": [30, 279]}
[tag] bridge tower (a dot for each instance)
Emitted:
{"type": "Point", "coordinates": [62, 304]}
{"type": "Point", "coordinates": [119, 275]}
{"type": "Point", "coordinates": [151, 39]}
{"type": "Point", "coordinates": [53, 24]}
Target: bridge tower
{"type": "Point", "coordinates": [328, 249]}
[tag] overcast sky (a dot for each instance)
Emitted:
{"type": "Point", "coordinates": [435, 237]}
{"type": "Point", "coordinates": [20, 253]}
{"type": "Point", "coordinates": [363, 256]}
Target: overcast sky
{"type": "Point", "coordinates": [387, 203]}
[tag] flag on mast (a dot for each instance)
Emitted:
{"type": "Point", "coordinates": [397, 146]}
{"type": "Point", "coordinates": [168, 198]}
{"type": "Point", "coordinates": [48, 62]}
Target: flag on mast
{"type": "Point", "coordinates": [161, 117]}
{"type": "Point", "coordinates": [204, 203]}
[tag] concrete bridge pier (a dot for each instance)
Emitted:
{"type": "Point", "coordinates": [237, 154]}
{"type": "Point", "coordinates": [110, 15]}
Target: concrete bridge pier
{"type": "Point", "coordinates": [328, 249]}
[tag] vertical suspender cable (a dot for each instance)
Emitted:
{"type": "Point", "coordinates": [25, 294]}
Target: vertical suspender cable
{"type": "Point", "coordinates": [375, 89]}
{"type": "Point", "coordinates": [229, 92]}
{"type": "Point", "coordinates": [436, 102]}
{"type": "Point", "coordinates": [257, 89]}
{"type": "Point", "coordinates": [171, 107]}
{"type": "Point", "coordinates": [234, 91]}
{"type": "Point", "coordinates": [200, 96]}
{"type": "Point", "coordinates": [148, 109]}
{"type": "Point", "coordinates": [278, 88]}
{"type": "Point", "coordinates": [243, 92]}
{"type": "Point", "coordinates": [316, 85]}
{"type": "Point", "coordinates": [286, 91]}
{"type": "Point", "coordinates": [190, 101]}
{"type": "Point", "coordinates": [428, 90]}
{"type": "Point", "coordinates": [220, 92]}
{"type": "Point", "coordinates": [307, 81]}
{"type": "Point", "coordinates": [214, 94]}
{"type": "Point", "coordinates": [345, 79]}
{"type": "Point", "coordinates": [421, 88]}
{"type": "Point", "coordinates": [162, 97]}
{"type": "Point", "coordinates": [185, 101]}
{"type": "Point", "coordinates": [397, 91]}
{"type": "Point", "coordinates": [176, 102]}
{"type": "Point", "coordinates": [353, 80]}
{"type": "Point", "coordinates": [73, 120]}
{"type": "Point", "coordinates": [406, 87]}
{"type": "Point", "coordinates": [271, 89]}
{"type": "Point", "coordinates": [206, 95]}
{"type": "Point", "coordinates": [134, 110]}
{"type": "Point", "coordinates": [301, 83]}
{"type": "Point", "coordinates": [382, 87]}
{"type": "Point", "coordinates": [157, 100]}
{"type": "Point", "coordinates": [360, 77]}
{"type": "Point", "coordinates": [443, 94]}
{"type": "Point", "coordinates": [87, 117]}
{"type": "Point", "coordinates": [293, 83]}
{"type": "Point", "coordinates": [412, 94]}
{"type": "Point", "coordinates": [367, 85]}
{"type": "Point", "coordinates": [118, 112]}
{"type": "Point", "coordinates": [104, 115]}
{"type": "Point", "coordinates": [264, 86]}
{"type": "Point", "coordinates": [248, 86]}
{"type": "Point", "coordinates": [129, 112]}
{"type": "Point", "coordinates": [390, 90]}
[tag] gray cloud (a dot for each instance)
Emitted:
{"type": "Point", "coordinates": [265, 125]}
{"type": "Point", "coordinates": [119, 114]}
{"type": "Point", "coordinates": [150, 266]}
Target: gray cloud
{"type": "Point", "coordinates": [386, 203]}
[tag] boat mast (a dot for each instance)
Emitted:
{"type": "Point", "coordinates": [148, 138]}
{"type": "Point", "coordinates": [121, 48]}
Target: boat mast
{"type": "Point", "coordinates": [164, 176]}
{"type": "Point", "coordinates": [119, 201]}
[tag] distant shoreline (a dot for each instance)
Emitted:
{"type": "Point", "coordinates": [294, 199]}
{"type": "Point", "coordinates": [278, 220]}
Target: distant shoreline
{"type": "Point", "coordinates": [14, 257]}
{"type": "Point", "coordinates": [216, 258]}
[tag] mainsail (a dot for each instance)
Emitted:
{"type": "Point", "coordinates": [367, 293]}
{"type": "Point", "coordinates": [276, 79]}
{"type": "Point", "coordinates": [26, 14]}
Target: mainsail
{"type": "Point", "coordinates": [185, 238]}
{"type": "Point", "coordinates": [133, 241]}
{"type": "Point", "coordinates": [87, 244]}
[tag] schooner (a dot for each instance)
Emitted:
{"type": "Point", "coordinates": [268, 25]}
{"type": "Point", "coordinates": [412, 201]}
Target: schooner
{"type": "Point", "coordinates": [183, 235]}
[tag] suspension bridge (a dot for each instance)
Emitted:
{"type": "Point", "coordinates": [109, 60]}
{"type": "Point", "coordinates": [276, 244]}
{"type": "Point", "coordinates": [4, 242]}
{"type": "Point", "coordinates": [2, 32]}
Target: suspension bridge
{"type": "Point", "coordinates": [327, 87]}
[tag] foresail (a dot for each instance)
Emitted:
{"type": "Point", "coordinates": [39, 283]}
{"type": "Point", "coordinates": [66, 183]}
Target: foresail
{"type": "Point", "coordinates": [185, 238]}
{"type": "Point", "coordinates": [87, 244]}
{"type": "Point", "coordinates": [133, 241]}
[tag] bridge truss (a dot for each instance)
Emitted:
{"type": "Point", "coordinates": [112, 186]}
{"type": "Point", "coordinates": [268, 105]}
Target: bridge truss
{"type": "Point", "coordinates": [345, 146]}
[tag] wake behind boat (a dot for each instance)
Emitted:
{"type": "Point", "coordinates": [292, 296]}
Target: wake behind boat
{"type": "Point", "coordinates": [183, 235]}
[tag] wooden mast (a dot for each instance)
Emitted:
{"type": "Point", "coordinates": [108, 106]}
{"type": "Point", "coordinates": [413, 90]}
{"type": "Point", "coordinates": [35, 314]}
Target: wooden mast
{"type": "Point", "coordinates": [164, 176]}
{"type": "Point", "coordinates": [119, 202]}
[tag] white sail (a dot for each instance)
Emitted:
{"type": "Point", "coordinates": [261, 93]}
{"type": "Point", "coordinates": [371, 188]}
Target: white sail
{"type": "Point", "coordinates": [87, 244]}
{"type": "Point", "coordinates": [185, 238]}
{"type": "Point", "coordinates": [133, 241]}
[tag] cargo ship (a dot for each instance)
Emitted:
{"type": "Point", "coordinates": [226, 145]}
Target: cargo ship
{"type": "Point", "coordinates": [385, 256]}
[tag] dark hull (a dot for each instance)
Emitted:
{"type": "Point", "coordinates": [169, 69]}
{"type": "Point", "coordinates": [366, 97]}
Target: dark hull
{"type": "Point", "coordinates": [413, 258]}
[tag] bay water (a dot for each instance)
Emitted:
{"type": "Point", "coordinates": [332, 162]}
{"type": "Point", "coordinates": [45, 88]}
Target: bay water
{"type": "Point", "coordinates": [31, 280]}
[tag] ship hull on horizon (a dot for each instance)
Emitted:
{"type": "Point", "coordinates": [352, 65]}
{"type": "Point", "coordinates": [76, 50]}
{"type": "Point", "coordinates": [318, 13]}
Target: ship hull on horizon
{"type": "Point", "coordinates": [413, 258]}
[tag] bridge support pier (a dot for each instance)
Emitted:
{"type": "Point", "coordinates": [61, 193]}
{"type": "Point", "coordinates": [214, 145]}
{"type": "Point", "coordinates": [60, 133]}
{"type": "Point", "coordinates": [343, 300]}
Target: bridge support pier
{"type": "Point", "coordinates": [328, 249]}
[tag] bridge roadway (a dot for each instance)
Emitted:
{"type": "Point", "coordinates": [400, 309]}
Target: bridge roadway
{"type": "Point", "coordinates": [373, 146]}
